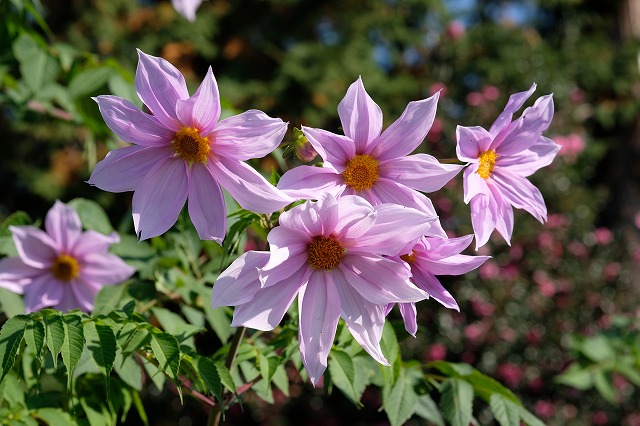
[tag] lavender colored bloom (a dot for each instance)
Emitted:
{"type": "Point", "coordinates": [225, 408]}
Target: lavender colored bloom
{"type": "Point", "coordinates": [429, 257]}
{"type": "Point", "coordinates": [63, 267]}
{"type": "Point", "coordinates": [500, 161]}
{"type": "Point", "coordinates": [330, 254]}
{"type": "Point", "coordinates": [373, 164]}
{"type": "Point", "coordinates": [187, 8]}
{"type": "Point", "coordinates": [183, 151]}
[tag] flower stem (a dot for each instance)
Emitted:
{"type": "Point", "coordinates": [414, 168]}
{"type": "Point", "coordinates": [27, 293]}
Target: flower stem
{"type": "Point", "coordinates": [216, 412]}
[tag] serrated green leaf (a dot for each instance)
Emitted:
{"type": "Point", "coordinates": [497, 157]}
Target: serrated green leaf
{"type": "Point", "coordinates": [225, 377]}
{"type": "Point", "coordinates": [10, 339]}
{"type": "Point", "coordinates": [267, 366]}
{"type": "Point", "coordinates": [209, 374]}
{"type": "Point", "coordinates": [54, 334]}
{"type": "Point", "coordinates": [92, 215]}
{"type": "Point", "coordinates": [129, 371]}
{"type": "Point", "coordinates": [101, 343]}
{"type": "Point", "coordinates": [107, 299]}
{"type": "Point", "coordinates": [173, 324]}
{"type": "Point", "coordinates": [167, 352]}
{"type": "Point", "coordinates": [457, 401]}
{"type": "Point", "coordinates": [428, 410]}
{"type": "Point", "coordinates": [219, 321]}
{"type": "Point", "coordinates": [503, 411]}
{"type": "Point", "coordinates": [88, 81]}
{"type": "Point", "coordinates": [34, 336]}
{"type": "Point", "coordinates": [400, 400]}
{"type": "Point", "coordinates": [154, 374]}
{"type": "Point", "coordinates": [132, 340]}
{"type": "Point", "coordinates": [73, 344]}
{"type": "Point", "coordinates": [528, 418]}
{"type": "Point", "coordinates": [54, 417]}
{"type": "Point", "coordinates": [281, 380]}
{"type": "Point", "coordinates": [485, 387]}
{"type": "Point", "coordinates": [343, 374]}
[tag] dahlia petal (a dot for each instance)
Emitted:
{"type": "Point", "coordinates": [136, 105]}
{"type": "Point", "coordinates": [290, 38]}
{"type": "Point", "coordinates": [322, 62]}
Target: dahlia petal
{"type": "Point", "coordinates": [315, 219]}
{"type": "Point", "coordinates": [43, 291]}
{"type": "Point", "coordinates": [309, 181]}
{"type": "Point", "coordinates": [473, 184]}
{"type": "Point", "coordinates": [527, 129]}
{"type": "Point", "coordinates": [520, 193]}
{"type": "Point", "coordinates": [334, 149]}
{"type": "Point", "coordinates": [504, 219]}
{"type": "Point", "coordinates": [514, 104]}
{"type": "Point", "coordinates": [380, 280]}
{"type": "Point", "coordinates": [252, 134]}
{"type": "Point", "coordinates": [36, 248]}
{"type": "Point", "coordinates": [420, 171]}
{"type": "Point", "coordinates": [105, 268]}
{"type": "Point", "coordinates": [132, 125]}
{"type": "Point", "coordinates": [407, 132]}
{"type": "Point", "coordinates": [15, 274]}
{"type": "Point", "coordinates": [84, 292]}
{"type": "Point", "coordinates": [247, 186]}
{"type": "Point", "coordinates": [187, 8]}
{"type": "Point", "coordinates": [206, 205]}
{"type": "Point", "coordinates": [355, 217]}
{"type": "Point", "coordinates": [268, 306]}
{"type": "Point", "coordinates": [281, 266]}
{"type": "Point", "coordinates": [123, 169]}
{"type": "Point", "coordinates": [160, 86]}
{"type": "Point", "coordinates": [526, 163]}
{"type": "Point", "coordinates": [319, 307]}
{"type": "Point", "coordinates": [483, 217]}
{"type": "Point", "coordinates": [456, 264]}
{"type": "Point", "coordinates": [429, 283]}
{"type": "Point", "coordinates": [63, 225]}
{"type": "Point", "coordinates": [364, 319]}
{"type": "Point", "coordinates": [292, 239]}
{"type": "Point", "coordinates": [202, 110]}
{"type": "Point", "coordinates": [159, 198]}
{"type": "Point", "coordinates": [68, 300]}
{"type": "Point", "coordinates": [93, 242]}
{"type": "Point", "coordinates": [360, 116]}
{"type": "Point", "coordinates": [409, 317]}
{"type": "Point", "coordinates": [239, 282]}
{"type": "Point", "coordinates": [471, 142]}
{"type": "Point", "coordinates": [440, 248]}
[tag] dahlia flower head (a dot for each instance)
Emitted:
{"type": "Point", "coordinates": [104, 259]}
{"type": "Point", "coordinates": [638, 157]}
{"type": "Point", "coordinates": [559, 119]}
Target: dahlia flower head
{"type": "Point", "coordinates": [182, 151]}
{"type": "Point", "coordinates": [329, 253]}
{"type": "Point", "coordinates": [61, 267]}
{"type": "Point", "coordinates": [373, 164]}
{"type": "Point", "coordinates": [500, 160]}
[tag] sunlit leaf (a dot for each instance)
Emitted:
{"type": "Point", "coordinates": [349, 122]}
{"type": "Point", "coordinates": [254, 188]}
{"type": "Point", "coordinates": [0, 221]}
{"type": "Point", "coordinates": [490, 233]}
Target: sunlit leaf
{"type": "Point", "coordinates": [457, 401]}
{"type": "Point", "coordinates": [10, 339]}
{"type": "Point", "coordinates": [73, 344]}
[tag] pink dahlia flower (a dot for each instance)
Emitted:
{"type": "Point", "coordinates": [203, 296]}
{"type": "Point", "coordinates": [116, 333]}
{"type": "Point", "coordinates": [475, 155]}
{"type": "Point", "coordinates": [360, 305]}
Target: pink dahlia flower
{"type": "Point", "coordinates": [500, 160]}
{"type": "Point", "coordinates": [183, 151]}
{"type": "Point", "coordinates": [187, 8]}
{"type": "Point", "coordinates": [429, 257]}
{"type": "Point", "coordinates": [63, 267]}
{"type": "Point", "coordinates": [330, 254]}
{"type": "Point", "coordinates": [371, 164]}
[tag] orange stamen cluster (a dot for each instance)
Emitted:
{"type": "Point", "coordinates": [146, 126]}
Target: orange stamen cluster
{"type": "Point", "coordinates": [487, 162]}
{"type": "Point", "coordinates": [361, 172]}
{"type": "Point", "coordinates": [189, 145]}
{"type": "Point", "coordinates": [65, 268]}
{"type": "Point", "coordinates": [409, 258]}
{"type": "Point", "coordinates": [324, 253]}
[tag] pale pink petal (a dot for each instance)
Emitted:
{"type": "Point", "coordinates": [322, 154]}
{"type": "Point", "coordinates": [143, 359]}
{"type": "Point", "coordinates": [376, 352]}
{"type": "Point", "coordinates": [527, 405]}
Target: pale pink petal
{"type": "Point", "coordinates": [514, 104]}
{"type": "Point", "coordinates": [334, 149]}
{"type": "Point", "coordinates": [484, 216]}
{"type": "Point", "coordinates": [314, 218]}
{"type": "Point", "coordinates": [319, 307]}
{"type": "Point", "coordinates": [207, 209]}
{"type": "Point", "coordinates": [159, 198]}
{"type": "Point", "coordinates": [293, 239]}
{"type": "Point", "coordinates": [239, 282]}
{"type": "Point", "coordinates": [504, 219]}
{"type": "Point", "coordinates": [252, 134]}
{"type": "Point", "coordinates": [355, 217]}
{"type": "Point", "coordinates": [123, 169]}
{"type": "Point", "coordinates": [456, 264]}
{"type": "Point", "coordinates": [364, 319]}
{"type": "Point", "coordinates": [527, 129]}
{"type": "Point", "coordinates": [268, 306]}
{"type": "Point", "coordinates": [281, 266]}
{"type": "Point", "coordinates": [132, 125]}
{"type": "Point", "coordinates": [473, 184]}
{"type": "Point", "coordinates": [310, 181]}
{"type": "Point", "coordinates": [407, 132]}
{"type": "Point", "coordinates": [439, 248]}
{"type": "Point", "coordinates": [93, 242]}
{"type": "Point", "coordinates": [202, 110]}
{"type": "Point", "coordinates": [360, 116]}
{"type": "Point", "coordinates": [160, 86]}
{"type": "Point", "coordinates": [105, 268]}
{"type": "Point", "coordinates": [380, 280]}
{"type": "Point", "coordinates": [36, 248]}
{"type": "Point", "coordinates": [43, 291]}
{"type": "Point", "coordinates": [68, 301]}
{"type": "Point", "coordinates": [520, 193]}
{"type": "Point", "coordinates": [15, 274]}
{"type": "Point", "coordinates": [420, 171]}
{"type": "Point", "coordinates": [429, 283]}
{"type": "Point", "coordinates": [84, 291]}
{"type": "Point", "coordinates": [187, 8]}
{"type": "Point", "coordinates": [472, 141]}
{"type": "Point", "coordinates": [247, 186]}
{"type": "Point", "coordinates": [63, 225]}
{"type": "Point", "coordinates": [527, 162]}
{"type": "Point", "coordinates": [409, 316]}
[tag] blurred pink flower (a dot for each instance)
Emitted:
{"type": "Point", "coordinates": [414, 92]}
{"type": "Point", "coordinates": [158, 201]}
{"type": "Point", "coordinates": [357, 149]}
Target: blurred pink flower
{"type": "Point", "coordinates": [476, 332]}
{"type": "Point", "coordinates": [436, 351]}
{"type": "Point", "coordinates": [475, 99]}
{"type": "Point", "coordinates": [183, 151]}
{"type": "Point", "coordinates": [187, 8]}
{"type": "Point", "coordinates": [571, 145]}
{"type": "Point", "coordinates": [544, 409]}
{"type": "Point", "coordinates": [63, 267]}
{"type": "Point", "coordinates": [438, 87]}
{"type": "Point", "coordinates": [431, 256]}
{"type": "Point", "coordinates": [455, 30]}
{"type": "Point", "coordinates": [482, 308]}
{"type": "Point", "coordinates": [489, 271]}
{"type": "Point", "coordinates": [490, 93]}
{"type": "Point", "coordinates": [511, 374]}
{"type": "Point", "coordinates": [330, 254]}
{"type": "Point", "coordinates": [611, 271]}
{"type": "Point", "coordinates": [603, 236]}
{"type": "Point", "coordinates": [500, 160]}
{"type": "Point", "coordinates": [600, 418]}
{"type": "Point", "coordinates": [371, 164]}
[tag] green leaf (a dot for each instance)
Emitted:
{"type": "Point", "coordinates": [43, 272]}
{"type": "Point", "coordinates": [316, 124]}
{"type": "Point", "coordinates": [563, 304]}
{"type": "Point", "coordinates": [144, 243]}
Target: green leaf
{"type": "Point", "coordinates": [34, 336]}
{"type": "Point", "coordinates": [101, 343]}
{"type": "Point", "coordinates": [88, 81]}
{"type": "Point", "coordinates": [342, 373]}
{"type": "Point", "coordinates": [92, 215]}
{"type": "Point", "coordinates": [225, 377]}
{"type": "Point", "coordinates": [129, 370]}
{"type": "Point", "coordinates": [36, 66]}
{"type": "Point", "coordinates": [267, 366]}
{"type": "Point", "coordinates": [55, 334]}
{"type": "Point", "coordinates": [485, 387]}
{"type": "Point", "coordinates": [219, 320]}
{"type": "Point", "coordinates": [209, 374]}
{"type": "Point", "coordinates": [12, 303]}
{"type": "Point", "coordinates": [131, 338]}
{"type": "Point", "coordinates": [597, 348]}
{"type": "Point", "coordinates": [400, 401]}
{"type": "Point", "coordinates": [18, 218]}
{"type": "Point", "coordinates": [389, 343]}
{"type": "Point", "coordinates": [576, 377]}
{"type": "Point", "coordinates": [108, 298]}
{"type": "Point", "coordinates": [155, 374]}
{"type": "Point", "coordinates": [137, 402]}
{"type": "Point", "coordinates": [53, 417]}
{"type": "Point", "coordinates": [10, 339]}
{"type": "Point", "coordinates": [167, 352]}
{"type": "Point", "coordinates": [173, 324]}
{"type": "Point", "coordinates": [73, 344]}
{"type": "Point", "coordinates": [504, 411]}
{"type": "Point", "coordinates": [428, 410]}
{"type": "Point", "coordinates": [457, 401]}
{"type": "Point", "coordinates": [602, 382]}
{"type": "Point", "coordinates": [451, 369]}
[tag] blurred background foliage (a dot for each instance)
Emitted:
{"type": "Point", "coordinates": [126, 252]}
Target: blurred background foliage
{"type": "Point", "coordinates": [554, 316]}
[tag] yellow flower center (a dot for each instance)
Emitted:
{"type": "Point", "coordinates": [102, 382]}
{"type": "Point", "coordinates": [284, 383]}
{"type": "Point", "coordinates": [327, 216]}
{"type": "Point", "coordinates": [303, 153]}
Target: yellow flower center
{"type": "Point", "coordinates": [409, 258]}
{"type": "Point", "coordinates": [324, 253]}
{"type": "Point", "coordinates": [189, 145]}
{"type": "Point", "coordinates": [361, 172]}
{"type": "Point", "coordinates": [65, 268]}
{"type": "Point", "coordinates": [487, 163]}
